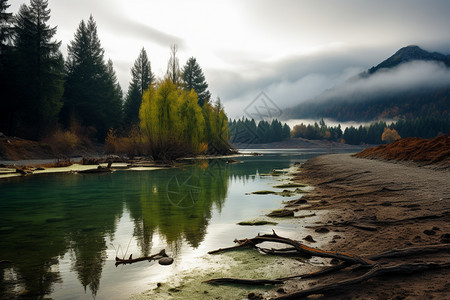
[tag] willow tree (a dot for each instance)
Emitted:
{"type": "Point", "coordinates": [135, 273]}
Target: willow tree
{"type": "Point", "coordinates": [217, 132]}
{"type": "Point", "coordinates": [171, 121]}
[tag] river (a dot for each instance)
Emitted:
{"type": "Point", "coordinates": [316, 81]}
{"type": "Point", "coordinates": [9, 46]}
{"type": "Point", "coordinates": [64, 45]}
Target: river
{"type": "Point", "coordinates": [62, 233]}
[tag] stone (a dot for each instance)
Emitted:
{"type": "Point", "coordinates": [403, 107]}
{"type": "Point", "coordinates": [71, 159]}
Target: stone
{"type": "Point", "coordinates": [322, 230]}
{"type": "Point", "coordinates": [309, 239]}
{"type": "Point", "coordinates": [165, 261]}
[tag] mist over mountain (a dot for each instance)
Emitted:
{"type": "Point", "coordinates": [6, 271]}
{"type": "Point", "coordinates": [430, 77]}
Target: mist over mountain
{"type": "Point", "coordinates": [411, 83]}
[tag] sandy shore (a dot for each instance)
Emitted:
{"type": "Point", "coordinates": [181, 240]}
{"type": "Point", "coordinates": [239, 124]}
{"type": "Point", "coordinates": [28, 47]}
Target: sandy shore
{"type": "Point", "coordinates": [372, 206]}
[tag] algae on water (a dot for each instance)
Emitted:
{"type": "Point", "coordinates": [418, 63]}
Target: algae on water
{"type": "Point", "coordinates": [256, 223]}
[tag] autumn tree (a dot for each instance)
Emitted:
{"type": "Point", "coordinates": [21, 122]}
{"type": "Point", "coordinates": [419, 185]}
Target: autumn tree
{"type": "Point", "coordinates": [39, 68]}
{"type": "Point", "coordinates": [217, 132]}
{"type": "Point", "coordinates": [141, 79]}
{"type": "Point", "coordinates": [171, 121]}
{"type": "Point", "coordinates": [390, 135]}
{"type": "Point", "coordinates": [194, 79]}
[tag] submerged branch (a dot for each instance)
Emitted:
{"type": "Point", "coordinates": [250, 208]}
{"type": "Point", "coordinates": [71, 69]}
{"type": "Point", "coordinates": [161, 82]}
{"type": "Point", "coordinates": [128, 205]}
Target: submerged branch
{"type": "Point", "coordinates": [131, 260]}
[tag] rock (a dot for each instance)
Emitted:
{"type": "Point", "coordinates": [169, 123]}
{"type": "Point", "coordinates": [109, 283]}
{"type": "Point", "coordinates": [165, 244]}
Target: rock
{"type": "Point", "coordinates": [417, 238]}
{"type": "Point", "coordinates": [336, 237]}
{"type": "Point", "coordinates": [435, 228]}
{"type": "Point", "coordinates": [445, 238]}
{"type": "Point", "coordinates": [281, 291]}
{"type": "Point", "coordinates": [429, 232]}
{"type": "Point", "coordinates": [309, 238]}
{"type": "Point", "coordinates": [254, 296]}
{"type": "Point", "coordinates": [165, 261]}
{"type": "Point", "coordinates": [233, 161]}
{"type": "Point", "coordinates": [322, 230]}
{"type": "Point", "coordinates": [387, 203]}
{"type": "Point", "coordinates": [281, 213]}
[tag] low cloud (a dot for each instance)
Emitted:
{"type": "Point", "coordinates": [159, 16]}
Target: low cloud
{"type": "Point", "coordinates": [413, 75]}
{"type": "Point", "coordinates": [295, 80]}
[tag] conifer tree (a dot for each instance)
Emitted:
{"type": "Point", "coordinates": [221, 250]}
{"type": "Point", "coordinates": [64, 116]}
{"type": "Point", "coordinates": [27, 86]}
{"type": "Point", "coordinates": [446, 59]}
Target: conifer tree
{"type": "Point", "coordinates": [8, 108]}
{"type": "Point", "coordinates": [91, 91]}
{"type": "Point", "coordinates": [194, 79]}
{"type": "Point", "coordinates": [39, 68]}
{"type": "Point", "coordinates": [141, 79]}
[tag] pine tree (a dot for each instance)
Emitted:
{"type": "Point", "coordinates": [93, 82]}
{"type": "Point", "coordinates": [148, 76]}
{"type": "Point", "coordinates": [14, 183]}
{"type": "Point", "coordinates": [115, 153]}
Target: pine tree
{"type": "Point", "coordinates": [141, 79]}
{"type": "Point", "coordinates": [8, 108]}
{"type": "Point", "coordinates": [39, 67]}
{"type": "Point", "coordinates": [6, 20]}
{"type": "Point", "coordinates": [91, 86]}
{"type": "Point", "coordinates": [114, 95]}
{"type": "Point", "coordinates": [194, 79]}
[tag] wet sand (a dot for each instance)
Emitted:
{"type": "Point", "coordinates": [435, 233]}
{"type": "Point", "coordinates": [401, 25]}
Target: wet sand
{"type": "Point", "coordinates": [372, 206]}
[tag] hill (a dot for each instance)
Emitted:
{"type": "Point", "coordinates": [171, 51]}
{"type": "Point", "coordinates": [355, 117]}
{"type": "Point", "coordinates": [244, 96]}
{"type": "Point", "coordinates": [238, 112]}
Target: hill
{"type": "Point", "coordinates": [423, 151]}
{"type": "Point", "coordinates": [411, 83]}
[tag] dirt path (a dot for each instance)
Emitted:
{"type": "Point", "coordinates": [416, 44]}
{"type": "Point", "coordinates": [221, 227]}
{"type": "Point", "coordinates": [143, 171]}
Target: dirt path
{"type": "Point", "coordinates": [373, 206]}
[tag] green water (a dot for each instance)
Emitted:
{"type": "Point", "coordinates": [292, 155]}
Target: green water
{"type": "Point", "coordinates": [62, 232]}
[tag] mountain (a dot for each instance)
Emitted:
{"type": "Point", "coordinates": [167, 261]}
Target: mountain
{"type": "Point", "coordinates": [411, 83]}
{"type": "Point", "coordinates": [408, 54]}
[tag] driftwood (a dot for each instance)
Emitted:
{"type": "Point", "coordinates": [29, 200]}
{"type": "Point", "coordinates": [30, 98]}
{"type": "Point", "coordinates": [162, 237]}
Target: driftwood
{"type": "Point", "coordinates": [226, 280]}
{"type": "Point", "coordinates": [395, 253]}
{"type": "Point", "coordinates": [130, 260]}
{"type": "Point", "coordinates": [297, 249]}
{"type": "Point", "coordinates": [303, 249]}
{"type": "Point", "coordinates": [375, 271]}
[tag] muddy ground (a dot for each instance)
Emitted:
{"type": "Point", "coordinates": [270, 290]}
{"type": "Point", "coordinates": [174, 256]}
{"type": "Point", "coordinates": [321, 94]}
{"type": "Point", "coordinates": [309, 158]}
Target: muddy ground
{"type": "Point", "coordinates": [372, 206]}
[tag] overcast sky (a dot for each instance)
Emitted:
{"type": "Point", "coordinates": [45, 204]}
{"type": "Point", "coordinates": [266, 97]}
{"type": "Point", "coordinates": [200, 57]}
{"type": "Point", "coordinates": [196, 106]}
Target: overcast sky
{"type": "Point", "coordinates": [290, 49]}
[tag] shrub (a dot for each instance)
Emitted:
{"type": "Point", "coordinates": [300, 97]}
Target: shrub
{"type": "Point", "coordinates": [63, 142]}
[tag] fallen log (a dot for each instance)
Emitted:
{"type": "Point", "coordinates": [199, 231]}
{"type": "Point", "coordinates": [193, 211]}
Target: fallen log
{"type": "Point", "coordinates": [375, 271]}
{"type": "Point", "coordinates": [395, 253]}
{"type": "Point", "coordinates": [226, 280]}
{"type": "Point", "coordinates": [161, 254]}
{"type": "Point", "coordinates": [351, 258]}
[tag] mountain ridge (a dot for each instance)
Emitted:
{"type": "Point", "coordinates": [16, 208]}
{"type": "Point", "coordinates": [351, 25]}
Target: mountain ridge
{"type": "Point", "coordinates": [384, 92]}
{"type": "Point", "coordinates": [408, 54]}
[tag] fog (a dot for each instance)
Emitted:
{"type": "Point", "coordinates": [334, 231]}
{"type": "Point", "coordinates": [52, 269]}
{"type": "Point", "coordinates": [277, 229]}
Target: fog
{"type": "Point", "coordinates": [415, 74]}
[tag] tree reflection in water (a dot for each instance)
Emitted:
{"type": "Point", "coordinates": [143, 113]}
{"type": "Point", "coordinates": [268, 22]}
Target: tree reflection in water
{"type": "Point", "coordinates": [44, 218]}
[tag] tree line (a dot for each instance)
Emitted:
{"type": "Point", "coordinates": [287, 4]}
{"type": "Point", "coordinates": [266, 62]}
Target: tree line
{"type": "Point", "coordinates": [246, 131]}
{"type": "Point", "coordinates": [42, 92]}
{"type": "Point", "coordinates": [425, 127]}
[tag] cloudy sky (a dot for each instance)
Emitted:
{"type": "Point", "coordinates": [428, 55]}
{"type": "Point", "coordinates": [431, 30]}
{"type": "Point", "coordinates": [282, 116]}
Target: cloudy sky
{"type": "Point", "coordinates": [290, 49]}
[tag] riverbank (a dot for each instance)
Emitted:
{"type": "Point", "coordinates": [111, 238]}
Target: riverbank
{"type": "Point", "coordinates": [371, 206]}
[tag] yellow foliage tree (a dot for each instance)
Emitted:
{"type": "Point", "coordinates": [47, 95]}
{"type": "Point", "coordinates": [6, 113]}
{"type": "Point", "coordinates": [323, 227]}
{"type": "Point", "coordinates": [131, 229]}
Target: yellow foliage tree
{"type": "Point", "coordinates": [217, 132]}
{"type": "Point", "coordinates": [171, 121]}
{"type": "Point", "coordinates": [390, 135]}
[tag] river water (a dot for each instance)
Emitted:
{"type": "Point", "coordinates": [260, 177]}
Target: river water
{"type": "Point", "coordinates": [62, 233]}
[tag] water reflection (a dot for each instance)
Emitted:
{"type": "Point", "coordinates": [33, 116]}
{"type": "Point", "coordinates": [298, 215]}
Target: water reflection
{"type": "Point", "coordinates": [43, 219]}
{"type": "Point", "coordinates": [57, 225]}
